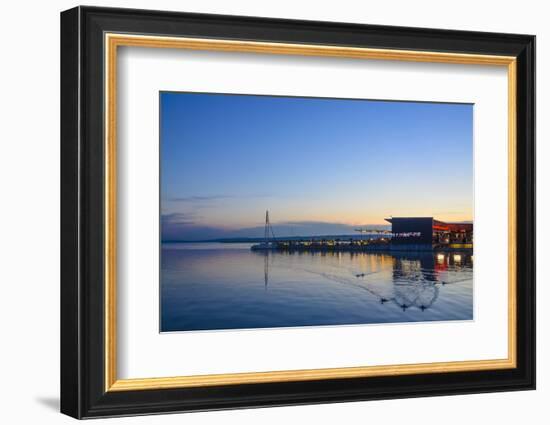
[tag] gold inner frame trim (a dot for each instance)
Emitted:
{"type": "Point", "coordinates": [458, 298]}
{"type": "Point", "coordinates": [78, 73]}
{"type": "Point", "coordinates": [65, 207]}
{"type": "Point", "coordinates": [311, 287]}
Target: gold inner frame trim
{"type": "Point", "coordinates": [113, 41]}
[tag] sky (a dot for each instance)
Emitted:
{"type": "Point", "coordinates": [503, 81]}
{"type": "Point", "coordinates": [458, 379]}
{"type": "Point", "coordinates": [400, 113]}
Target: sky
{"type": "Point", "coordinates": [320, 166]}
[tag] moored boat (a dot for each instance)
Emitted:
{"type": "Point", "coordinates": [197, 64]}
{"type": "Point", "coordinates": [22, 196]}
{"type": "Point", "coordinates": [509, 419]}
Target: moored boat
{"type": "Point", "coordinates": [269, 243]}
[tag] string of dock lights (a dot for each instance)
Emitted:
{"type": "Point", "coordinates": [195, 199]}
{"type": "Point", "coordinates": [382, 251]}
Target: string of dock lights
{"type": "Point", "coordinates": [390, 234]}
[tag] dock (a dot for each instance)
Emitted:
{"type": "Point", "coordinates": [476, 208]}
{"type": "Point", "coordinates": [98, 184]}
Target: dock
{"type": "Point", "coordinates": [416, 234]}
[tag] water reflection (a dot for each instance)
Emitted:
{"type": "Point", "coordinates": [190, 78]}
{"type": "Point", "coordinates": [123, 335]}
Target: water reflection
{"type": "Point", "coordinates": [217, 288]}
{"type": "Point", "coordinates": [415, 276]}
{"type": "Point", "coordinates": [266, 269]}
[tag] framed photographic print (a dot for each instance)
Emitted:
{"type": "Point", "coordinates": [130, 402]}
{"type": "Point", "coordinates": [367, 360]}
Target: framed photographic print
{"type": "Point", "coordinates": [261, 212]}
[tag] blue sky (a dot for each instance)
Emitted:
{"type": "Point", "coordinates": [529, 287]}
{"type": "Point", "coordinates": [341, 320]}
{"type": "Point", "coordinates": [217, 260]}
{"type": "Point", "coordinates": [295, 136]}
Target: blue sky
{"type": "Point", "coordinates": [320, 166]}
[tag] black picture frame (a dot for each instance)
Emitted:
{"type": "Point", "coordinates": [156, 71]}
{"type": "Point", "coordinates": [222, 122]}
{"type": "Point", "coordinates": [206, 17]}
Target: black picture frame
{"type": "Point", "coordinates": [83, 392]}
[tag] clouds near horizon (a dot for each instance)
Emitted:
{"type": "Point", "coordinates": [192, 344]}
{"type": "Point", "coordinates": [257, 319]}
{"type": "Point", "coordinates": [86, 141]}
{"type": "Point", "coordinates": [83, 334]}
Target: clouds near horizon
{"type": "Point", "coordinates": [181, 227]}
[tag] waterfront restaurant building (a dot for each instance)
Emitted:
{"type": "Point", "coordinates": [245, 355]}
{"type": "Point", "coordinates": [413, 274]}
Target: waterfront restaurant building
{"type": "Point", "coordinates": [430, 233]}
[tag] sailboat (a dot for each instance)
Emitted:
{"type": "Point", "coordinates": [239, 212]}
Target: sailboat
{"type": "Point", "coordinates": [269, 243]}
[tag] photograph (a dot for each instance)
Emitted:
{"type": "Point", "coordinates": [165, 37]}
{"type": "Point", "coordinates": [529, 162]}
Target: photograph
{"type": "Point", "coordinates": [287, 211]}
{"type": "Point", "coordinates": [283, 209]}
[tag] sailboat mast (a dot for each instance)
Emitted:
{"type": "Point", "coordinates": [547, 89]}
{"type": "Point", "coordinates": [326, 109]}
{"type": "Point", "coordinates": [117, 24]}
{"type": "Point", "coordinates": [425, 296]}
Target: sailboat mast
{"type": "Point", "coordinates": [266, 230]}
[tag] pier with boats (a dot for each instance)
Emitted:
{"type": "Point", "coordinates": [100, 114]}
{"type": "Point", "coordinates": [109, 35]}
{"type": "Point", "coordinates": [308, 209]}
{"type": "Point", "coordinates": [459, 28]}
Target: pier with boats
{"type": "Point", "coordinates": [417, 234]}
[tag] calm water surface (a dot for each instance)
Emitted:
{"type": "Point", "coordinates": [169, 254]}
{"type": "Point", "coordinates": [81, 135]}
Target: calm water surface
{"type": "Point", "coordinates": [207, 286]}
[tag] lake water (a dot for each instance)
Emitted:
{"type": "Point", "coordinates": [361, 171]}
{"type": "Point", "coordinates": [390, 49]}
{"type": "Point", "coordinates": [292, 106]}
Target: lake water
{"type": "Point", "coordinates": [207, 286]}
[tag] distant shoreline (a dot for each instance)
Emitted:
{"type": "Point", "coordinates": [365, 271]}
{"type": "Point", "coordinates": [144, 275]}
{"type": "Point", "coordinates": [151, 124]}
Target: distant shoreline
{"type": "Point", "coordinates": [286, 238]}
